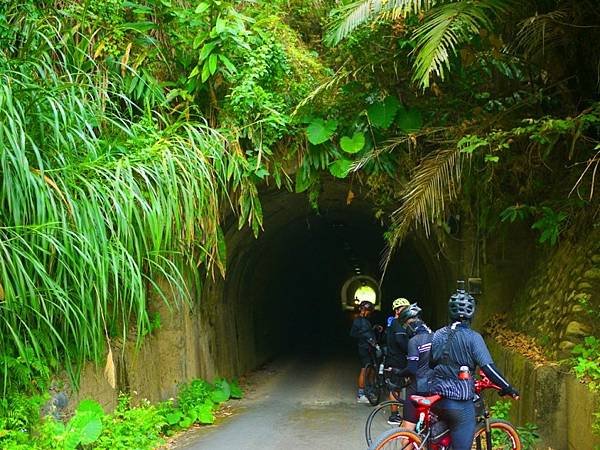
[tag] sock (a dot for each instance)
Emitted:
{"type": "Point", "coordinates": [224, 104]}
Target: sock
{"type": "Point", "coordinates": [360, 392]}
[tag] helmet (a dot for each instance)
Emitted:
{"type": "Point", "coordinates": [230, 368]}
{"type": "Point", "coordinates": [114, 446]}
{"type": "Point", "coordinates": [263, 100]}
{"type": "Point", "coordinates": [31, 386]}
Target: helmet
{"type": "Point", "coordinates": [410, 312]}
{"type": "Point", "coordinates": [366, 304]}
{"type": "Point", "coordinates": [400, 302]}
{"type": "Point", "coordinates": [461, 305]}
{"type": "Point", "coordinates": [413, 326]}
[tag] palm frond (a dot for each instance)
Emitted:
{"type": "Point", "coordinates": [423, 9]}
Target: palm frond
{"type": "Point", "coordinates": [444, 29]}
{"type": "Point", "coordinates": [436, 182]}
{"type": "Point", "coordinates": [353, 15]}
{"type": "Point", "coordinates": [540, 33]}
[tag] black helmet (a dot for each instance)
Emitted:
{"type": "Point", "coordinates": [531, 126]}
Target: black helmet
{"type": "Point", "coordinates": [461, 305]}
{"type": "Point", "coordinates": [413, 326]}
{"type": "Point", "coordinates": [365, 304]}
{"type": "Point", "coordinates": [410, 312]}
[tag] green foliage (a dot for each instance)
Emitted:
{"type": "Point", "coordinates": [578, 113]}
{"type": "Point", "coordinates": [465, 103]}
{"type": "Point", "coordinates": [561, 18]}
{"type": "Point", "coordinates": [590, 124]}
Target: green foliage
{"type": "Point", "coordinates": [549, 222]}
{"type": "Point", "coordinates": [140, 427]}
{"type": "Point", "coordinates": [128, 427]}
{"type": "Point", "coordinates": [82, 429]}
{"type": "Point", "coordinates": [527, 433]}
{"type": "Point", "coordinates": [320, 130]}
{"type": "Point", "coordinates": [382, 114]}
{"type": "Point", "coordinates": [19, 416]}
{"type": "Point", "coordinates": [409, 120]}
{"type": "Point", "coordinates": [340, 168]}
{"type": "Point", "coordinates": [353, 144]}
{"type": "Point", "coordinates": [587, 361]}
{"type": "Point", "coordinates": [99, 201]}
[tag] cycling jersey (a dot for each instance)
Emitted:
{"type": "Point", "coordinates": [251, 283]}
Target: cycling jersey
{"type": "Point", "coordinates": [397, 345]}
{"type": "Point", "coordinates": [363, 331]}
{"type": "Point", "coordinates": [419, 348]}
{"type": "Point", "coordinates": [454, 346]}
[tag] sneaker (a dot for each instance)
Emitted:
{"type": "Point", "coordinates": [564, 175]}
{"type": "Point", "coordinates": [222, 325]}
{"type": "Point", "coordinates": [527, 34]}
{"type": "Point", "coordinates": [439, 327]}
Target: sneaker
{"type": "Point", "coordinates": [395, 419]}
{"type": "Point", "coordinates": [362, 399]}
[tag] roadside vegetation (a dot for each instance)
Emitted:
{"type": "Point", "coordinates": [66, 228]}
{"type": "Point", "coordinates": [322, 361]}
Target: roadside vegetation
{"type": "Point", "coordinates": [130, 129]}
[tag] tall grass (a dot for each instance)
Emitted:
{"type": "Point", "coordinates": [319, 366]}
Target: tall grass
{"type": "Point", "coordinates": [99, 200]}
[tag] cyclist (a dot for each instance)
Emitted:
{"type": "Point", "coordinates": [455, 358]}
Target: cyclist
{"type": "Point", "coordinates": [455, 353]}
{"type": "Point", "coordinates": [363, 331]}
{"type": "Point", "coordinates": [397, 346]}
{"type": "Point", "coordinates": [417, 368]}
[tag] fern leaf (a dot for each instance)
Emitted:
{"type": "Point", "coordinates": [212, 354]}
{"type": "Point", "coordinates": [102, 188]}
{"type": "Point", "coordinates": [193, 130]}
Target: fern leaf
{"type": "Point", "coordinates": [436, 181]}
{"type": "Point", "coordinates": [444, 29]}
{"type": "Point", "coordinates": [358, 13]}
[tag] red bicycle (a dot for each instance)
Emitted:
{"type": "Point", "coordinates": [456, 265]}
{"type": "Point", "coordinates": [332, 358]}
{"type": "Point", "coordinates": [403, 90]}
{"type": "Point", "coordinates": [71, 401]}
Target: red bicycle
{"type": "Point", "coordinates": [432, 433]}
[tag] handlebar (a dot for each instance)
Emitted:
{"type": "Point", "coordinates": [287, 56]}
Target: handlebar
{"type": "Point", "coordinates": [485, 383]}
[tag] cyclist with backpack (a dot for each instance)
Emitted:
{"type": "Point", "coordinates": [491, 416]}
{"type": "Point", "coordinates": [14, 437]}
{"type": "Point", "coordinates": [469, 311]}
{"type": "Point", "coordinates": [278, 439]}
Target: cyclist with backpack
{"type": "Point", "coordinates": [362, 330]}
{"type": "Point", "coordinates": [456, 352]}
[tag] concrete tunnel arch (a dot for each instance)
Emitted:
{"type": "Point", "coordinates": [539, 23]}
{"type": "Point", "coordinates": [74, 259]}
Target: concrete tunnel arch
{"type": "Point", "coordinates": [284, 286]}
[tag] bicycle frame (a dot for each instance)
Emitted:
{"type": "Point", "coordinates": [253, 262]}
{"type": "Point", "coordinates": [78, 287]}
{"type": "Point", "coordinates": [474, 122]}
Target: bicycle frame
{"type": "Point", "coordinates": [427, 418]}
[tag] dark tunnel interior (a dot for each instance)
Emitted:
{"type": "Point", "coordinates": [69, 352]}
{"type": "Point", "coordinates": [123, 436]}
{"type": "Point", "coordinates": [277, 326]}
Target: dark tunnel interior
{"type": "Point", "coordinates": [292, 275]}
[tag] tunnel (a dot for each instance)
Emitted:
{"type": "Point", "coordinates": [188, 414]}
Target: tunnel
{"type": "Point", "coordinates": [295, 283]}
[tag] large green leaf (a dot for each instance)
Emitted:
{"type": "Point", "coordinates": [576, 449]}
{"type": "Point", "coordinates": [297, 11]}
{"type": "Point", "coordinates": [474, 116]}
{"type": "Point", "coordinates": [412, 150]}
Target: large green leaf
{"type": "Point", "coordinates": [382, 114]}
{"type": "Point", "coordinates": [205, 414]}
{"type": "Point", "coordinates": [219, 395]}
{"type": "Point", "coordinates": [354, 144]}
{"type": "Point", "coordinates": [340, 168]}
{"type": "Point", "coordinates": [409, 120]}
{"type": "Point", "coordinates": [236, 391]}
{"type": "Point", "coordinates": [90, 406]}
{"type": "Point", "coordinates": [320, 130]}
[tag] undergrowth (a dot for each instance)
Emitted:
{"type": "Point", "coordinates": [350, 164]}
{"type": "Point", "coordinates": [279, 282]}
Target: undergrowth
{"type": "Point", "coordinates": [142, 427]}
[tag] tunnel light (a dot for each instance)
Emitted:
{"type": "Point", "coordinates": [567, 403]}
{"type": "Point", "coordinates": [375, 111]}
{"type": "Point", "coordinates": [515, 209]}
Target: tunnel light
{"type": "Point", "coordinates": [366, 293]}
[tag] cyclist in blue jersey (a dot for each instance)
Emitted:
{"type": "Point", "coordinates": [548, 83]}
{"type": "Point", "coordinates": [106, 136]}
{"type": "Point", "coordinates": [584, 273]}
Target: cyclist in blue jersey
{"type": "Point", "coordinates": [456, 352]}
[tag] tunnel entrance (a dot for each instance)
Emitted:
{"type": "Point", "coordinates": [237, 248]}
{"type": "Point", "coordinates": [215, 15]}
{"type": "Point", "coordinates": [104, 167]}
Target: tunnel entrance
{"type": "Point", "coordinates": [290, 280]}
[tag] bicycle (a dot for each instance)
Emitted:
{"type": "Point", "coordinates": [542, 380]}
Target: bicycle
{"type": "Point", "coordinates": [377, 421]}
{"type": "Point", "coordinates": [374, 376]}
{"type": "Point", "coordinates": [433, 434]}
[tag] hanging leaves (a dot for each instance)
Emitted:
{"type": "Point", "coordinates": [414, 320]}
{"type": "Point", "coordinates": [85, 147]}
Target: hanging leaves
{"type": "Point", "coordinates": [354, 144]}
{"type": "Point", "coordinates": [320, 130]}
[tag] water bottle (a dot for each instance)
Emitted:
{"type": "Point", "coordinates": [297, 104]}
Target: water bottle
{"type": "Point", "coordinates": [381, 369]}
{"type": "Point", "coordinates": [463, 373]}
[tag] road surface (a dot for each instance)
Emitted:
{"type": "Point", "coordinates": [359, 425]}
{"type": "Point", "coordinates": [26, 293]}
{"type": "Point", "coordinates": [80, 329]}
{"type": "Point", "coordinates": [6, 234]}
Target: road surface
{"type": "Point", "coordinates": [300, 403]}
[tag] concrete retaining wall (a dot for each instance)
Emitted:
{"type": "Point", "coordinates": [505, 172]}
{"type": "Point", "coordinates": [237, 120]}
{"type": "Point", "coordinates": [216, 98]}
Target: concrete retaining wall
{"type": "Point", "coordinates": [551, 398]}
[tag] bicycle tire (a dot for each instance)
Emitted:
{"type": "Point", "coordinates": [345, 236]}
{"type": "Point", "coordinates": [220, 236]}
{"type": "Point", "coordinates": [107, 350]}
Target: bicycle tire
{"type": "Point", "coordinates": [504, 436]}
{"type": "Point", "coordinates": [372, 387]}
{"type": "Point", "coordinates": [376, 422]}
{"type": "Point", "coordinates": [400, 439]}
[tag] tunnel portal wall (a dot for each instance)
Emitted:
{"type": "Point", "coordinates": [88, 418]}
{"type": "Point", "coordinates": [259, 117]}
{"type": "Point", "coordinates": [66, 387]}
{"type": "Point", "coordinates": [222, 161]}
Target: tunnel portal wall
{"type": "Point", "coordinates": [236, 324]}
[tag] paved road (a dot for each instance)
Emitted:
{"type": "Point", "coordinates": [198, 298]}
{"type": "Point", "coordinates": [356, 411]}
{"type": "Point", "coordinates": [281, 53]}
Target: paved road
{"type": "Point", "coordinates": [295, 404]}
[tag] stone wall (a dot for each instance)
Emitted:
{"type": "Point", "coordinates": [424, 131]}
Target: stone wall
{"type": "Point", "coordinates": [552, 399]}
{"type": "Point", "coordinates": [560, 304]}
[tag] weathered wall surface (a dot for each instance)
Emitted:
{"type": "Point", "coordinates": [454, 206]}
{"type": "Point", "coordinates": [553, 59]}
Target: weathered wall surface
{"type": "Point", "coordinates": [553, 399]}
{"type": "Point", "coordinates": [560, 304]}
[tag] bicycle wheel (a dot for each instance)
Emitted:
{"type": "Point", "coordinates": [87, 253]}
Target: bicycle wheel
{"type": "Point", "coordinates": [377, 422]}
{"type": "Point", "coordinates": [503, 436]}
{"type": "Point", "coordinates": [372, 386]}
{"type": "Point", "coordinates": [399, 439]}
